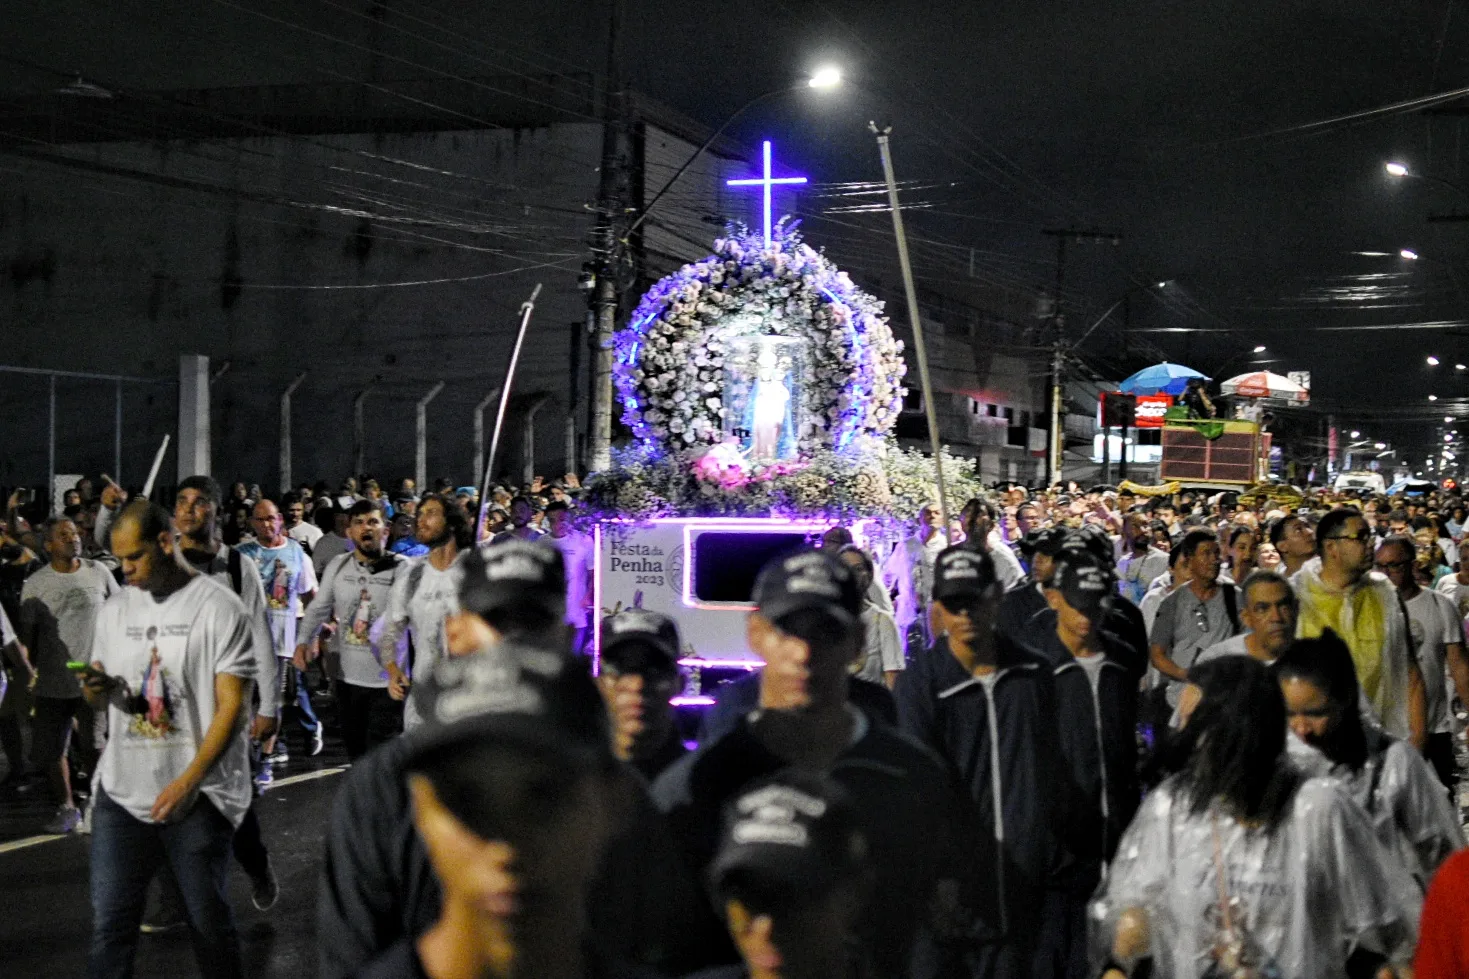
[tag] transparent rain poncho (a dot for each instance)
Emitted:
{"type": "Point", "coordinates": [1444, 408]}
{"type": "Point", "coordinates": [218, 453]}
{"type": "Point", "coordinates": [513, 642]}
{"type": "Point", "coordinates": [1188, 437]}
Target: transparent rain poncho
{"type": "Point", "coordinates": [1406, 803]}
{"type": "Point", "coordinates": [1293, 902]}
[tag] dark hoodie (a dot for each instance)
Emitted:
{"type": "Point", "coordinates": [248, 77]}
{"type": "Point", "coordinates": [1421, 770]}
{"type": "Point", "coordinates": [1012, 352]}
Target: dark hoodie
{"type": "Point", "coordinates": [999, 736]}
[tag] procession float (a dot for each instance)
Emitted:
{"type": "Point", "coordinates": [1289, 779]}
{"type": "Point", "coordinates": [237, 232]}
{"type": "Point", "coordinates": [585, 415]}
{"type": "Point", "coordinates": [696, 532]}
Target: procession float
{"type": "Point", "coordinates": [760, 387]}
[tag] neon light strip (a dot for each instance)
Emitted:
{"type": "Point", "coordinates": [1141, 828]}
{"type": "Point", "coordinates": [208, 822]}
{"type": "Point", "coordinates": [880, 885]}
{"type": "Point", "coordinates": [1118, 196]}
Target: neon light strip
{"type": "Point", "coordinates": [692, 701]}
{"type": "Point", "coordinates": [716, 664]}
{"type": "Point", "coordinates": [765, 182]}
{"type": "Point", "coordinates": [597, 599]}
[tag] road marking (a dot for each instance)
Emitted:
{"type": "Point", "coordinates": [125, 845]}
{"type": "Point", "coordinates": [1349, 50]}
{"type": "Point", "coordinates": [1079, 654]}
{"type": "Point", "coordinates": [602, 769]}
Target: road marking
{"type": "Point", "coordinates": [279, 783]}
{"type": "Point", "coordinates": [28, 841]}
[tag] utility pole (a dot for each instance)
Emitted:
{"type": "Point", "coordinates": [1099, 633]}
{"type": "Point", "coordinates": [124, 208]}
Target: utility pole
{"type": "Point", "coordinates": [607, 251]}
{"type": "Point", "coordinates": [1058, 350]}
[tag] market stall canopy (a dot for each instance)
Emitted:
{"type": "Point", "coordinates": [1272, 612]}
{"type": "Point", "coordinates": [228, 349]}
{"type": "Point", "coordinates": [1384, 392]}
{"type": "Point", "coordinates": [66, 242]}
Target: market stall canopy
{"type": "Point", "coordinates": [1162, 378]}
{"type": "Point", "coordinates": [1264, 384]}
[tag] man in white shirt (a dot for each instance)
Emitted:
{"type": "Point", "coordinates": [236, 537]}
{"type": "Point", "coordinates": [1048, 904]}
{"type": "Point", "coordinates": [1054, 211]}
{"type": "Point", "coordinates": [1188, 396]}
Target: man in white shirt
{"type": "Point", "coordinates": [297, 527]}
{"type": "Point", "coordinates": [172, 666]}
{"type": "Point", "coordinates": [1437, 637]}
{"type": "Point", "coordinates": [355, 588]}
{"type": "Point", "coordinates": [576, 552]}
{"type": "Point", "coordinates": [426, 594]}
{"type": "Point", "coordinates": [1268, 613]}
{"type": "Point", "coordinates": [58, 615]}
{"type": "Point", "coordinates": [1141, 563]}
{"type": "Point", "coordinates": [288, 580]}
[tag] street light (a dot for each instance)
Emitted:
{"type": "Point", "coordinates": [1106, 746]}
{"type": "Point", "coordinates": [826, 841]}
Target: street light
{"type": "Point", "coordinates": [1396, 169]}
{"type": "Point", "coordinates": [1432, 361]}
{"type": "Point", "coordinates": [1380, 446]}
{"type": "Point", "coordinates": [1400, 170]}
{"type": "Point", "coordinates": [1260, 349]}
{"type": "Point", "coordinates": [825, 77]}
{"type": "Point", "coordinates": [1433, 397]}
{"type": "Point", "coordinates": [1408, 253]}
{"type": "Point", "coordinates": [1356, 434]}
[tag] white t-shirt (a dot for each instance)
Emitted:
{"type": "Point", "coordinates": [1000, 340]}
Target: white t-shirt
{"type": "Point", "coordinates": [884, 649]}
{"type": "Point", "coordinates": [576, 552]}
{"type": "Point", "coordinates": [357, 595]}
{"type": "Point", "coordinates": [286, 573]}
{"type": "Point", "coordinates": [305, 534]}
{"type": "Point", "coordinates": [1092, 667]}
{"type": "Point", "coordinates": [169, 653]}
{"type": "Point", "coordinates": [1233, 646]}
{"type": "Point", "coordinates": [435, 596]}
{"type": "Point", "coordinates": [1435, 623]}
{"type": "Point", "coordinates": [58, 615]}
{"type": "Point", "coordinates": [1457, 591]}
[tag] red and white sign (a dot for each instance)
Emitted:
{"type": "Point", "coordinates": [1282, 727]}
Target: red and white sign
{"type": "Point", "coordinates": [1151, 408]}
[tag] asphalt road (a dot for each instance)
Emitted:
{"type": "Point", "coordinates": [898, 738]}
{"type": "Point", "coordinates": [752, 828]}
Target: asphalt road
{"type": "Point", "coordinates": [45, 911]}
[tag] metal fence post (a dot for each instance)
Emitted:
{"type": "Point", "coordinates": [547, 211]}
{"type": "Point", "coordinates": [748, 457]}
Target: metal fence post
{"type": "Point", "coordinates": [285, 447]}
{"type": "Point", "coordinates": [51, 444]}
{"type": "Point", "coordinates": [117, 431]}
{"type": "Point", "coordinates": [420, 469]}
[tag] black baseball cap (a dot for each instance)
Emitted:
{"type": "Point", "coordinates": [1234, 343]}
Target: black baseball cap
{"type": "Point", "coordinates": [962, 575]}
{"type": "Point", "coordinates": [513, 694]}
{"type": "Point", "coordinates": [793, 835]}
{"type": "Point", "coordinates": [1045, 540]}
{"type": "Point", "coordinates": [513, 573]}
{"type": "Point", "coordinates": [638, 639]}
{"type": "Point", "coordinates": [1095, 541]}
{"type": "Point", "coordinates": [808, 580]}
{"type": "Point", "coordinates": [1087, 584]}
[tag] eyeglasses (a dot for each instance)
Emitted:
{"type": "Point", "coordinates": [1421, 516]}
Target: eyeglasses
{"type": "Point", "coordinates": [1356, 537]}
{"type": "Point", "coordinates": [1388, 565]}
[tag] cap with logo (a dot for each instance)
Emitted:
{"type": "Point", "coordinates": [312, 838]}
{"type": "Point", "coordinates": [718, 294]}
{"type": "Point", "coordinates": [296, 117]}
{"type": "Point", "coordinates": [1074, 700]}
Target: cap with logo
{"type": "Point", "coordinates": [637, 639]}
{"type": "Point", "coordinates": [1094, 540]}
{"type": "Point", "coordinates": [513, 694]}
{"type": "Point", "coordinates": [796, 833]}
{"type": "Point", "coordinates": [961, 575]}
{"type": "Point", "coordinates": [513, 573]}
{"type": "Point", "coordinates": [1045, 540]}
{"type": "Point", "coordinates": [1086, 583]}
{"type": "Point", "coordinates": [808, 580]}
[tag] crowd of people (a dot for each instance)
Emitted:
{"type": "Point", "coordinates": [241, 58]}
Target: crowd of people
{"type": "Point", "coordinates": [1074, 733]}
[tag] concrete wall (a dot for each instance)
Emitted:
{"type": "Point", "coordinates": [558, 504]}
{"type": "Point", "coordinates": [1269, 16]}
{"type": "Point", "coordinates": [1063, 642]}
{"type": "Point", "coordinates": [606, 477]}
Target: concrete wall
{"type": "Point", "coordinates": [285, 255]}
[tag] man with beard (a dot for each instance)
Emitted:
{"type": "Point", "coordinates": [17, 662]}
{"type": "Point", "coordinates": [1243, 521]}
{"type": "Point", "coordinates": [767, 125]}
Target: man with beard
{"type": "Point", "coordinates": [355, 589]}
{"type": "Point", "coordinates": [425, 595]}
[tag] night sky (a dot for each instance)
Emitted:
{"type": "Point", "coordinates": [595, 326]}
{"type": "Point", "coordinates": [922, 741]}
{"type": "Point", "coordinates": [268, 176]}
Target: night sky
{"type": "Point", "coordinates": [1158, 120]}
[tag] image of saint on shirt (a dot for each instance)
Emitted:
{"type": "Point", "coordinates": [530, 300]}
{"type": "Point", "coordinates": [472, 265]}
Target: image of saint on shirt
{"type": "Point", "coordinates": [153, 707]}
{"type": "Point", "coordinates": [361, 625]}
{"type": "Point", "coordinates": [279, 594]}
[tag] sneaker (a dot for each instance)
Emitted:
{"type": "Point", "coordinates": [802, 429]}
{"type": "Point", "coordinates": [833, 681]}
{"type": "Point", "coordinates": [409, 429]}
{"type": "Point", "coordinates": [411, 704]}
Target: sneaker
{"type": "Point", "coordinates": [162, 926]}
{"type": "Point", "coordinates": [66, 820]}
{"type": "Point", "coordinates": [318, 740]}
{"type": "Point", "coordinates": [265, 891]}
{"type": "Point", "coordinates": [263, 778]}
{"type": "Point", "coordinates": [282, 754]}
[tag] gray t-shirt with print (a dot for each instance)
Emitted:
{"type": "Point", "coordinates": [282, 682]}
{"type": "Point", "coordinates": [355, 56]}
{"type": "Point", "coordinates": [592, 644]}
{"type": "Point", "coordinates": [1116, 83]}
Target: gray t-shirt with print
{"type": "Point", "coordinates": [58, 614]}
{"type": "Point", "coordinates": [1186, 626]}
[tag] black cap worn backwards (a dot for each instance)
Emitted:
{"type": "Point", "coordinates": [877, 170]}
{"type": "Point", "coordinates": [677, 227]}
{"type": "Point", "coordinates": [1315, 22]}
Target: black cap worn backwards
{"type": "Point", "coordinates": [636, 639]}
{"type": "Point", "coordinates": [511, 574]}
{"type": "Point", "coordinates": [796, 833]}
{"type": "Point", "coordinates": [808, 580]}
{"type": "Point", "coordinates": [1087, 584]}
{"type": "Point", "coordinates": [513, 694]}
{"type": "Point", "coordinates": [961, 575]}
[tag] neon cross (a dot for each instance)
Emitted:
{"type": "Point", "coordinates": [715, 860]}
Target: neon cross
{"type": "Point", "coordinates": [766, 182]}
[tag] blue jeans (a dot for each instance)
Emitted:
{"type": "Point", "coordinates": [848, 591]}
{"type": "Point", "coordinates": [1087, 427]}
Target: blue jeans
{"type": "Point", "coordinates": [289, 677]}
{"type": "Point", "coordinates": [126, 852]}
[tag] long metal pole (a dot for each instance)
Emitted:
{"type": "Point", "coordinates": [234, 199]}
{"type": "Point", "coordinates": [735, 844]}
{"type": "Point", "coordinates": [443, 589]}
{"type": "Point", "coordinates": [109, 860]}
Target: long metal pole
{"type": "Point", "coordinates": [51, 444]}
{"type": "Point", "coordinates": [919, 350]}
{"type": "Point", "coordinates": [479, 430]}
{"type": "Point", "coordinates": [359, 433]}
{"type": "Point", "coordinates": [1057, 430]}
{"type": "Point", "coordinates": [526, 308]}
{"type": "Point", "coordinates": [420, 469]}
{"type": "Point", "coordinates": [285, 447]}
{"type": "Point", "coordinates": [117, 430]}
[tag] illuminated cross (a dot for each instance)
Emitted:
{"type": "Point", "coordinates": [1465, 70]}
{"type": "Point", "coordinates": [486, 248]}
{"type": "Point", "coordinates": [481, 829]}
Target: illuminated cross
{"type": "Point", "coordinates": [766, 182]}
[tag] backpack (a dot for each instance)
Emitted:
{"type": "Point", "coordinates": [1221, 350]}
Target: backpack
{"type": "Point", "coordinates": [235, 566]}
{"type": "Point", "coordinates": [1231, 605]}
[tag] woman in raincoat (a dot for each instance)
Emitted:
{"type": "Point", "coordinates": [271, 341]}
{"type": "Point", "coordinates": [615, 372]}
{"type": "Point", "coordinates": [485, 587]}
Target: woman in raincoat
{"type": "Point", "coordinates": [1239, 866]}
{"type": "Point", "coordinates": [1387, 777]}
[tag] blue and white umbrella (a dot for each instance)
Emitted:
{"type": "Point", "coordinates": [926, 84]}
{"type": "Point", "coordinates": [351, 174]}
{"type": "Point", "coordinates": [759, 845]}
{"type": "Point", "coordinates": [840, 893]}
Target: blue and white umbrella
{"type": "Point", "coordinates": [1160, 379]}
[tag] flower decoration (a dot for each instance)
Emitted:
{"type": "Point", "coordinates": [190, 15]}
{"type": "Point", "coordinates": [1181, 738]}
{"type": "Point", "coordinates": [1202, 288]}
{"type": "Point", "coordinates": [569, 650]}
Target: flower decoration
{"type": "Point", "coordinates": [669, 361]}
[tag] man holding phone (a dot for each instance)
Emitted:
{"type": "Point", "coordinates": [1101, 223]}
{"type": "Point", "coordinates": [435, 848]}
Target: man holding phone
{"type": "Point", "coordinates": [172, 663]}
